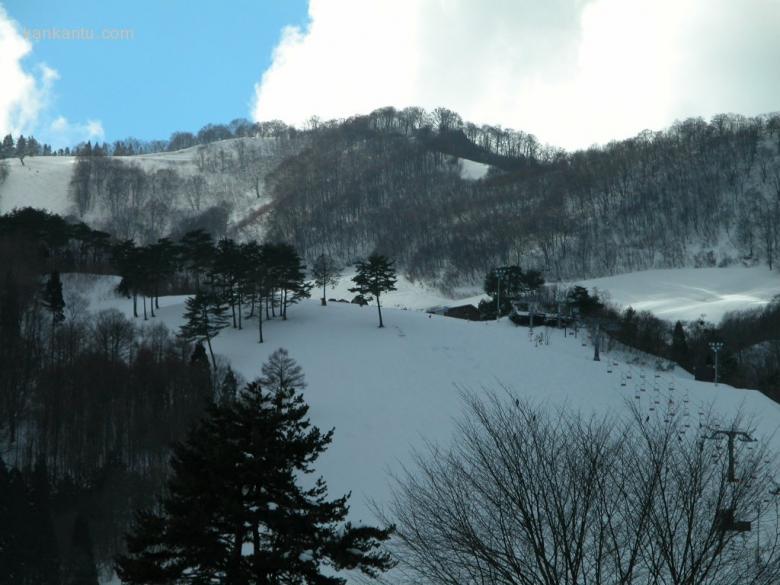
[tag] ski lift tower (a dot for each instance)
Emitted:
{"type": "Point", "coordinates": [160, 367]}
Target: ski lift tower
{"type": "Point", "coordinates": [725, 517]}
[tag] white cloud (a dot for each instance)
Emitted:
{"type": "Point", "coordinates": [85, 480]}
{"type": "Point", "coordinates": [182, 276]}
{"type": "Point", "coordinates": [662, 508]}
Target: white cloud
{"type": "Point", "coordinates": [573, 72]}
{"type": "Point", "coordinates": [22, 94]}
{"type": "Point", "coordinates": [61, 132]}
{"type": "Point", "coordinates": [26, 98]}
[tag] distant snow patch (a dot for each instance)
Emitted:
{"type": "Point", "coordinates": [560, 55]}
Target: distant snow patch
{"type": "Point", "coordinates": [691, 293]}
{"type": "Point", "coordinates": [473, 170]}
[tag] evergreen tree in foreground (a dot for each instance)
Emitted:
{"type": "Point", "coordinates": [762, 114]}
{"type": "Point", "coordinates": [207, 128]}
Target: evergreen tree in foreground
{"type": "Point", "coordinates": [374, 276]}
{"type": "Point", "coordinates": [234, 512]}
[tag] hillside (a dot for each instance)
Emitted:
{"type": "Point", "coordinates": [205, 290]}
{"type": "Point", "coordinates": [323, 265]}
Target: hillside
{"type": "Point", "coordinates": [692, 293]}
{"type": "Point", "coordinates": [446, 198]}
{"type": "Point", "coordinates": [387, 390]}
{"type": "Point", "coordinates": [698, 194]}
{"type": "Point", "coordinates": [215, 186]}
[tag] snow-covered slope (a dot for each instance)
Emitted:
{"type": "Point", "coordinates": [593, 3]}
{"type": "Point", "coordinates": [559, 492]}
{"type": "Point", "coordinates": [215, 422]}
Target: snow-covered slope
{"type": "Point", "coordinates": [409, 295]}
{"type": "Point", "coordinates": [691, 293]}
{"type": "Point", "coordinates": [385, 390]}
{"type": "Point", "coordinates": [41, 182]}
{"type": "Point", "coordinates": [232, 171]}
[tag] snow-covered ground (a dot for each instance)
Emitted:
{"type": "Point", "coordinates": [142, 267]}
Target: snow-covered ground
{"type": "Point", "coordinates": [473, 170]}
{"type": "Point", "coordinates": [409, 295]}
{"type": "Point", "coordinates": [691, 293]}
{"type": "Point", "coordinates": [385, 390]}
{"type": "Point", "coordinates": [41, 182]}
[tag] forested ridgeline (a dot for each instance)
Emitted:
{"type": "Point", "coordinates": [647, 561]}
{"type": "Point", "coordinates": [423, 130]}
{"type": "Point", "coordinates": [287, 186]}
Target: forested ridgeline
{"type": "Point", "coordinates": [96, 399]}
{"type": "Point", "coordinates": [698, 194]}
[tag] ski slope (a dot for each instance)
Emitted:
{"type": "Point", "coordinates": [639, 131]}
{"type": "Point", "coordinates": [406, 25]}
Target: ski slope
{"type": "Point", "coordinates": [688, 294]}
{"type": "Point", "coordinates": [41, 182]}
{"type": "Point", "coordinates": [387, 390]}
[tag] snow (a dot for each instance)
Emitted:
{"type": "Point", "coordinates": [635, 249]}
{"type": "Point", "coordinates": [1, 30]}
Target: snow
{"type": "Point", "coordinates": [386, 390]}
{"type": "Point", "coordinates": [691, 293]}
{"type": "Point", "coordinates": [473, 170]}
{"type": "Point", "coordinates": [42, 182]}
{"type": "Point", "coordinates": [413, 295]}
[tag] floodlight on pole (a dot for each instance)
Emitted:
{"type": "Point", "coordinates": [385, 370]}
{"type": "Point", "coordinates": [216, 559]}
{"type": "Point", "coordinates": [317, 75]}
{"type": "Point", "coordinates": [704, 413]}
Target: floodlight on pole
{"type": "Point", "coordinates": [500, 272]}
{"type": "Point", "coordinates": [716, 347]}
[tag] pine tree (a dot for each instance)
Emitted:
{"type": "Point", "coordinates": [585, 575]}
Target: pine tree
{"type": "Point", "coordinates": [196, 250]}
{"type": "Point", "coordinates": [82, 569]}
{"type": "Point", "coordinates": [205, 318]}
{"type": "Point", "coordinates": [326, 273]}
{"type": "Point", "coordinates": [374, 276]}
{"type": "Point", "coordinates": [289, 276]}
{"type": "Point", "coordinates": [234, 488]}
{"type": "Point", "coordinates": [8, 148]}
{"type": "Point", "coordinates": [21, 149]}
{"type": "Point", "coordinates": [6, 523]}
{"type": "Point", "coordinates": [126, 257]}
{"type": "Point", "coordinates": [54, 302]}
{"type": "Point", "coordinates": [52, 298]}
{"type": "Point", "coordinates": [41, 546]}
{"type": "Point", "coordinates": [229, 387]}
{"type": "Point", "coordinates": [680, 352]}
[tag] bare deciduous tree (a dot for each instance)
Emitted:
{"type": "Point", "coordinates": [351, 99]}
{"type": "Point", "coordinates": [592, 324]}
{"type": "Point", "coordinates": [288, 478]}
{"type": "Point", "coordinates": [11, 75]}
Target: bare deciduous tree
{"type": "Point", "coordinates": [526, 498]}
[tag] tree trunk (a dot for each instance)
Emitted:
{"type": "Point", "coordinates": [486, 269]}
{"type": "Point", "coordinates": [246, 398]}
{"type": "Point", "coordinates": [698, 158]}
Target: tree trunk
{"type": "Point", "coordinates": [211, 351]}
{"type": "Point", "coordinates": [260, 325]}
{"type": "Point", "coordinates": [379, 308]}
{"type": "Point", "coordinates": [324, 302]}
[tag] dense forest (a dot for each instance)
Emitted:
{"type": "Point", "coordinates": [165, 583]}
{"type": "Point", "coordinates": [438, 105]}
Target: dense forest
{"type": "Point", "coordinates": [91, 401]}
{"type": "Point", "coordinates": [697, 194]}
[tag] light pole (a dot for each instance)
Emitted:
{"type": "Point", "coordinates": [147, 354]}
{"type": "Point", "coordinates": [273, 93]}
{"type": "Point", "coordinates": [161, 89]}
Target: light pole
{"type": "Point", "coordinates": [500, 272]}
{"type": "Point", "coordinates": [716, 347]}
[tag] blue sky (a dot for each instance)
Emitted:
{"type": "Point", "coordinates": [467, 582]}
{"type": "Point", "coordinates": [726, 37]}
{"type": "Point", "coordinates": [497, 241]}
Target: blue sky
{"type": "Point", "coordinates": [571, 72]}
{"type": "Point", "coordinates": [188, 63]}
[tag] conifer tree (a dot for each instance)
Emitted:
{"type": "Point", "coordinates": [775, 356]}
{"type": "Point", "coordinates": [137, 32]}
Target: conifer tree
{"type": "Point", "coordinates": [290, 276]}
{"type": "Point", "coordinates": [235, 512]}
{"type": "Point", "coordinates": [326, 273]}
{"type": "Point", "coordinates": [54, 302]}
{"type": "Point", "coordinates": [82, 569]}
{"type": "Point", "coordinates": [52, 298]}
{"type": "Point", "coordinates": [374, 276]}
{"type": "Point", "coordinates": [7, 149]}
{"type": "Point", "coordinates": [127, 259]}
{"type": "Point", "coordinates": [229, 387]}
{"type": "Point", "coordinates": [21, 149]}
{"type": "Point", "coordinates": [680, 352]}
{"type": "Point", "coordinates": [196, 249]}
{"type": "Point", "coordinates": [41, 543]}
{"type": "Point", "coordinates": [205, 318]}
